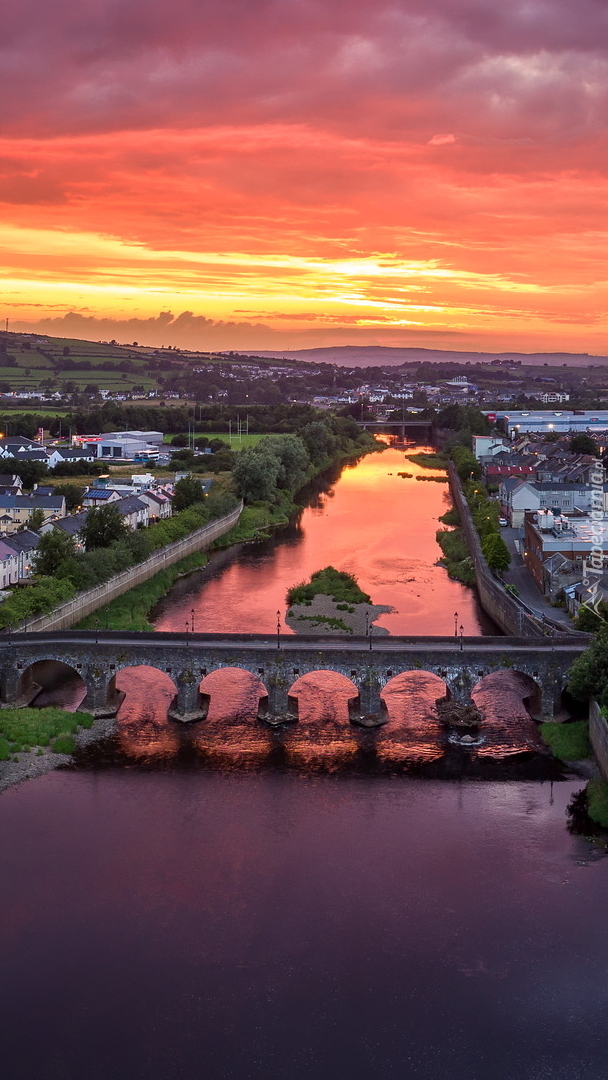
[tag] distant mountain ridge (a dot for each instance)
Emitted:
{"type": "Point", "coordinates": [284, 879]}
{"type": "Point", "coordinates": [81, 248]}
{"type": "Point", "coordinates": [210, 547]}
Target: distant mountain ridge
{"type": "Point", "coordinates": [385, 355]}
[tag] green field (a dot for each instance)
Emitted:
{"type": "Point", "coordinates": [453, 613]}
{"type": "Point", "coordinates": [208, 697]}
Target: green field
{"type": "Point", "coordinates": [236, 444]}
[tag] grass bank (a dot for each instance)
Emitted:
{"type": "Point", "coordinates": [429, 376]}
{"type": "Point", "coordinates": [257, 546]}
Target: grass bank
{"type": "Point", "coordinates": [569, 742]}
{"type": "Point", "coordinates": [456, 558]}
{"type": "Point", "coordinates": [22, 730]}
{"type": "Point", "coordinates": [429, 460]}
{"type": "Point", "coordinates": [597, 801]}
{"type": "Point", "coordinates": [130, 611]}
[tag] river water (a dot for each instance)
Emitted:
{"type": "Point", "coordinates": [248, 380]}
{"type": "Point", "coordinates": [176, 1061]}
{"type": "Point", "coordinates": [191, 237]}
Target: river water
{"type": "Point", "coordinates": [272, 926]}
{"type": "Point", "coordinates": [371, 522]}
{"type": "Point", "coordinates": [379, 524]}
{"type": "Point", "coordinates": [225, 902]}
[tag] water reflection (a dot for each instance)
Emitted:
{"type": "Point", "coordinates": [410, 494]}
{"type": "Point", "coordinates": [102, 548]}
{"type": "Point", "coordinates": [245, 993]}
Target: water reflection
{"type": "Point", "coordinates": [232, 735]}
{"type": "Point", "coordinates": [143, 730]}
{"type": "Point", "coordinates": [370, 522]}
{"type": "Point", "coordinates": [508, 727]}
{"type": "Point", "coordinates": [380, 526]}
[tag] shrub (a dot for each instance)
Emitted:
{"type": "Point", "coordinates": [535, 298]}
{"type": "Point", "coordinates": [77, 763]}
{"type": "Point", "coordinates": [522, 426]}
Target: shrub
{"type": "Point", "coordinates": [64, 744]}
{"type": "Point", "coordinates": [330, 582]}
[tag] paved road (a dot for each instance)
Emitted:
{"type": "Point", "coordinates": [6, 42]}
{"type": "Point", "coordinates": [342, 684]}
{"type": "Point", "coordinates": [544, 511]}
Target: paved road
{"type": "Point", "coordinates": [519, 575]}
{"type": "Point", "coordinates": [170, 642]}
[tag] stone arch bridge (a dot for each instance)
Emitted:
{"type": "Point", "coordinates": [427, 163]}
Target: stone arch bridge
{"type": "Point", "coordinates": [278, 661]}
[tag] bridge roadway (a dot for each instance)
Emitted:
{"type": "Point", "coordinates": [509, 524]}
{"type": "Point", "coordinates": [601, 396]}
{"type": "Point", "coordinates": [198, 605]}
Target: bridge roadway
{"type": "Point", "coordinates": [278, 661]}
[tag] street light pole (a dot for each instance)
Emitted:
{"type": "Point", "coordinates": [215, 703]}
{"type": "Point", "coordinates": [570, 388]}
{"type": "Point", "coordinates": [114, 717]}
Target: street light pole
{"type": "Point", "coordinates": [461, 633]}
{"type": "Point", "coordinates": [455, 624]}
{"type": "Point", "coordinates": [278, 629]}
{"type": "Point", "coordinates": [192, 619]}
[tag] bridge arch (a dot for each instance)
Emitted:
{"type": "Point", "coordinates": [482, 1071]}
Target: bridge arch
{"type": "Point", "coordinates": [510, 680]}
{"type": "Point", "coordinates": [327, 696]}
{"type": "Point", "coordinates": [411, 697]}
{"type": "Point", "coordinates": [145, 687]}
{"type": "Point", "coordinates": [232, 693]}
{"type": "Point", "coordinates": [40, 681]}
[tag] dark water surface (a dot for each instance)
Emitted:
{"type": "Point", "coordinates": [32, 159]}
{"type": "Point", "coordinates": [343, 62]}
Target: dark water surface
{"type": "Point", "coordinates": [279, 927]}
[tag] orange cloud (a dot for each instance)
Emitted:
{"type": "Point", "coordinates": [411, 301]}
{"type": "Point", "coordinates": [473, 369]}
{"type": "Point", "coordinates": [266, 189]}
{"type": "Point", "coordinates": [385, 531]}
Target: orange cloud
{"type": "Point", "coordinates": [421, 168]}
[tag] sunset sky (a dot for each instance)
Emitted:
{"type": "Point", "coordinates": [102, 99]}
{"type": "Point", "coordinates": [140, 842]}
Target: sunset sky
{"type": "Point", "coordinates": [272, 174]}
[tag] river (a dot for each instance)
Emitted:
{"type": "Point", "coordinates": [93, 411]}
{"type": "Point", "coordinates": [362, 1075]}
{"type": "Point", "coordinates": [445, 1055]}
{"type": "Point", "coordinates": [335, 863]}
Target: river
{"type": "Point", "coordinates": [380, 525]}
{"type": "Point", "coordinates": [238, 926]}
{"type": "Point", "coordinates": [371, 522]}
{"type": "Point", "coordinates": [217, 900]}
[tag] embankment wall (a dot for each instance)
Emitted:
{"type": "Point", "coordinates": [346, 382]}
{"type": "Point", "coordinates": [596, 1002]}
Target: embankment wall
{"type": "Point", "coordinates": [66, 615]}
{"type": "Point", "coordinates": [598, 736]}
{"type": "Point", "coordinates": [502, 608]}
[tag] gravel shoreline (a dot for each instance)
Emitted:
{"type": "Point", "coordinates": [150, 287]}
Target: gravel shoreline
{"type": "Point", "coordinates": [301, 618]}
{"type": "Point", "coordinates": [32, 764]}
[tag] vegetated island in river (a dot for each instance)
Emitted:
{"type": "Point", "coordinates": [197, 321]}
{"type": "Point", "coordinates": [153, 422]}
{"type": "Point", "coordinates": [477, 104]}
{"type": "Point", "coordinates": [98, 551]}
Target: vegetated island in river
{"type": "Point", "coordinates": [332, 603]}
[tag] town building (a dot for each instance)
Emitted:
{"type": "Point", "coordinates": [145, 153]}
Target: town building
{"type": "Point", "coordinates": [576, 540]}
{"type": "Point", "coordinates": [16, 510]}
{"type": "Point", "coordinates": [125, 445]}
{"type": "Point", "coordinates": [516, 421]}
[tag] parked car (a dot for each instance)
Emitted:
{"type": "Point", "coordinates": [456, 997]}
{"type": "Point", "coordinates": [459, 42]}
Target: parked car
{"type": "Point", "coordinates": [503, 522]}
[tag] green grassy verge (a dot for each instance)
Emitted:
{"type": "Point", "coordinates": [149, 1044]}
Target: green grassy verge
{"type": "Point", "coordinates": [24, 729]}
{"type": "Point", "coordinates": [597, 801]}
{"type": "Point", "coordinates": [456, 558]}
{"type": "Point", "coordinates": [130, 611]}
{"type": "Point", "coordinates": [428, 461]}
{"type": "Point", "coordinates": [569, 742]}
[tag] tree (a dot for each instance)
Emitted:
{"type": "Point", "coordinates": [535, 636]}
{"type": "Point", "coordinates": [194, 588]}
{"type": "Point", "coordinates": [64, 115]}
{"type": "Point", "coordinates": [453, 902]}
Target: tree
{"type": "Point", "coordinates": [589, 673]}
{"type": "Point", "coordinates": [103, 525]}
{"type": "Point", "coordinates": [293, 456]}
{"type": "Point", "coordinates": [54, 549]}
{"type": "Point", "coordinates": [319, 441]}
{"type": "Point", "coordinates": [73, 495]}
{"type": "Point", "coordinates": [589, 619]}
{"type": "Point", "coordinates": [496, 552]}
{"type": "Point", "coordinates": [187, 492]}
{"type": "Point", "coordinates": [584, 444]}
{"type": "Point", "coordinates": [467, 465]}
{"type": "Point", "coordinates": [255, 474]}
{"type": "Point", "coordinates": [36, 519]}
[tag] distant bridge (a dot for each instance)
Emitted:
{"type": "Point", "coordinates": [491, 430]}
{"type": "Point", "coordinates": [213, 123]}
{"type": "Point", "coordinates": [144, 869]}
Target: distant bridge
{"type": "Point", "coordinates": [402, 426]}
{"type": "Point", "coordinates": [278, 661]}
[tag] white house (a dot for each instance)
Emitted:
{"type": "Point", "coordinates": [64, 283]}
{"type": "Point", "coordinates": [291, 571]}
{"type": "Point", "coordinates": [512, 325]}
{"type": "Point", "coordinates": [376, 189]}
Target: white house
{"type": "Point", "coordinates": [516, 497]}
{"type": "Point", "coordinates": [9, 565]}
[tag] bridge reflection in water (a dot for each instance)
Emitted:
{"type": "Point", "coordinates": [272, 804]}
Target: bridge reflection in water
{"type": "Point", "coordinates": [231, 734]}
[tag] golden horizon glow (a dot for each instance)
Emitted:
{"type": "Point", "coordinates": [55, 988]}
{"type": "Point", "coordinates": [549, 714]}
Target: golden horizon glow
{"type": "Point", "coordinates": [414, 179]}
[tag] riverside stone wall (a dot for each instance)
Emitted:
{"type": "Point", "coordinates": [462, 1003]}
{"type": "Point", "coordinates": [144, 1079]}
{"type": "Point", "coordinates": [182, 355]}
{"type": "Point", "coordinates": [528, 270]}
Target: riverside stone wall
{"type": "Point", "coordinates": [498, 604]}
{"type": "Point", "coordinates": [598, 736]}
{"type": "Point", "coordinates": [64, 616]}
